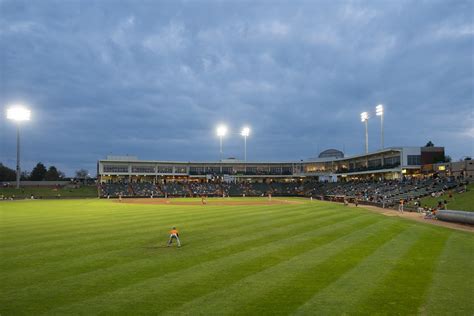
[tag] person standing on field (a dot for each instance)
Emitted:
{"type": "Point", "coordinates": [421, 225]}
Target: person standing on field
{"type": "Point", "coordinates": [174, 234]}
{"type": "Point", "coordinates": [400, 206]}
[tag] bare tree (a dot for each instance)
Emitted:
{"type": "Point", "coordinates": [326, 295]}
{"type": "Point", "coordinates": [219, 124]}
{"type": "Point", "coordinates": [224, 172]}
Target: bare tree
{"type": "Point", "coordinates": [82, 174]}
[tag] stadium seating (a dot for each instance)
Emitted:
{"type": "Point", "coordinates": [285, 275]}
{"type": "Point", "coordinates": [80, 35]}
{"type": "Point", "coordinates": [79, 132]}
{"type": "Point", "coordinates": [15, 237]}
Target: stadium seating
{"type": "Point", "coordinates": [176, 189]}
{"type": "Point", "coordinates": [382, 193]}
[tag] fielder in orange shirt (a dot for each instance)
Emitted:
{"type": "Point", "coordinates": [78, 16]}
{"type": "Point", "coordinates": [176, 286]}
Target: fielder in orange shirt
{"type": "Point", "coordinates": [174, 234]}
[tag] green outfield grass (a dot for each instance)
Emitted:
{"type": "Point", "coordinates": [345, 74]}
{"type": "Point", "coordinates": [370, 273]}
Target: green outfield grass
{"type": "Point", "coordinates": [460, 201]}
{"type": "Point", "coordinates": [93, 257]}
{"type": "Point", "coordinates": [39, 192]}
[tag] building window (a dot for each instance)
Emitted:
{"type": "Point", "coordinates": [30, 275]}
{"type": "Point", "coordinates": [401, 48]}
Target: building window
{"type": "Point", "coordinates": [251, 170]}
{"type": "Point", "coordinates": [392, 161]}
{"type": "Point", "coordinates": [180, 169]}
{"type": "Point", "coordinates": [275, 170]}
{"type": "Point", "coordinates": [143, 169]}
{"type": "Point", "coordinates": [262, 170]}
{"type": "Point", "coordinates": [414, 160]}
{"type": "Point", "coordinates": [227, 170]}
{"type": "Point", "coordinates": [116, 168]}
{"type": "Point", "coordinates": [165, 169]}
{"type": "Point", "coordinates": [213, 170]}
{"type": "Point", "coordinates": [196, 170]}
{"type": "Point", "coordinates": [375, 163]}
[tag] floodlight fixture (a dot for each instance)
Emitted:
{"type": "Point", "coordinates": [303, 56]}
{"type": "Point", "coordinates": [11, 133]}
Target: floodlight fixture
{"type": "Point", "coordinates": [245, 132]}
{"type": "Point", "coordinates": [18, 114]}
{"type": "Point", "coordinates": [221, 130]}
{"type": "Point", "coordinates": [379, 110]}
{"type": "Point", "coordinates": [364, 116]}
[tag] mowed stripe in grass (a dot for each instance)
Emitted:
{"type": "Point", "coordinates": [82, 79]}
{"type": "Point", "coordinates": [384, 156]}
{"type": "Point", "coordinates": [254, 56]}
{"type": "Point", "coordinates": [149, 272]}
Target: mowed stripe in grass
{"type": "Point", "coordinates": [279, 289]}
{"type": "Point", "coordinates": [22, 212]}
{"type": "Point", "coordinates": [278, 259]}
{"type": "Point", "coordinates": [106, 258]}
{"type": "Point", "coordinates": [405, 287]}
{"type": "Point", "coordinates": [309, 280]}
{"type": "Point", "coordinates": [120, 213]}
{"type": "Point", "coordinates": [160, 219]}
{"type": "Point", "coordinates": [159, 216]}
{"type": "Point", "coordinates": [203, 277]}
{"type": "Point", "coordinates": [49, 229]}
{"type": "Point", "coordinates": [353, 286]}
{"type": "Point", "coordinates": [130, 269]}
{"type": "Point", "coordinates": [453, 279]}
{"type": "Point", "coordinates": [99, 241]}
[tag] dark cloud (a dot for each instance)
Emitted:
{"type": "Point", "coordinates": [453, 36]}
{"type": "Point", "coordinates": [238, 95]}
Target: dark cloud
{"type": "Point", "coordinates": [154, 79]}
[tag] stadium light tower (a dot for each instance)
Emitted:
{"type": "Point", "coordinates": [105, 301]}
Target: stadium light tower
{"type": "Point", "coordinates": [221, 132]}
{"type": "Point", "coordinates": [379, 112]}
{"type": "Point", "coordinates": [364, 117]}
{"type": "Point", "coordinates": [18, 114]}
{"type": "Point", "coordinates": [245, 133]}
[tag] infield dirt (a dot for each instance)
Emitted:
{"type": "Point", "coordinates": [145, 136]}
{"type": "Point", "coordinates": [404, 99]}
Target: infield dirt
{"type": "Point", "coordinates": [217, 202]}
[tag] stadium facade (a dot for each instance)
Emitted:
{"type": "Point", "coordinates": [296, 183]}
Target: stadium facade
{"type": "Point", "coordinates": [388, 164]}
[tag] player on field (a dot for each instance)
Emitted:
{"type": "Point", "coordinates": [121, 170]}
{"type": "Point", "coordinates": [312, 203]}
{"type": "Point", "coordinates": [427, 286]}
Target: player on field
{"type": "Point", "coordinates": [400, 205]}
{"type": "Point", "coordinates": [174, 234]}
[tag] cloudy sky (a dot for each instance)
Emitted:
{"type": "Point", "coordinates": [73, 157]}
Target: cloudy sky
{"type": "Point", "coordinates": [154, 78]}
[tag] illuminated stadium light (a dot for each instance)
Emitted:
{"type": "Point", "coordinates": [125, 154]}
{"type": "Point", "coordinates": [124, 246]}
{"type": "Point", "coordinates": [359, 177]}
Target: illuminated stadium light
{"type": "Point", "coordinates": [364, 117]}
{"type": "Point", "coordinates": [245, 133]}
{"type": "Point", "coordinates": [379, 112]}
{"type": "Point", "coordinates": [221, 132]}
{"type": "Point", "coordinates": [18, 113]}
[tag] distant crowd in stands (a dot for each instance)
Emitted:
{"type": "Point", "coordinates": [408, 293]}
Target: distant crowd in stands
{"type": "Point", "coordinates": [380, 193]}
{"type": "Point", "coordinates": [389, 193]}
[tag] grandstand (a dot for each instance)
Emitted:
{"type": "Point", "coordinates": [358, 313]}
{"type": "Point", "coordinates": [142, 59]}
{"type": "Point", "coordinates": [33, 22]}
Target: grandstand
{"type": "Point", "coordinates": [383, 193]}
{"type": "Point", "coordinates": [388, 164]}
{"type": "Point", "coordinates": [381, 178]}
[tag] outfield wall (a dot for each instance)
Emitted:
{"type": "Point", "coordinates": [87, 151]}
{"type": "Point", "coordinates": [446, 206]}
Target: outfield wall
{"type": "Point", "coordinates": [35, 183]}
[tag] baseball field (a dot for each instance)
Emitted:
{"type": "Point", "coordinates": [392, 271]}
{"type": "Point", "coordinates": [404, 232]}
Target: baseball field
{"type": "Point", "coordinates": [238, 257]}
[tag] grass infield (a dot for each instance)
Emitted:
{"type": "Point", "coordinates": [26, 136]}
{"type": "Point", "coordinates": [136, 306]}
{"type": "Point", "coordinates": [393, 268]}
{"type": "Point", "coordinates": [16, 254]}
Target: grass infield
{"type": "Point", "coordinates": [102, 257]}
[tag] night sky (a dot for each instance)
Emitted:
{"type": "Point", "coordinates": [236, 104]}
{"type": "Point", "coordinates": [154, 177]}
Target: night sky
{"type": "Point", "coordinates": [155, 78]}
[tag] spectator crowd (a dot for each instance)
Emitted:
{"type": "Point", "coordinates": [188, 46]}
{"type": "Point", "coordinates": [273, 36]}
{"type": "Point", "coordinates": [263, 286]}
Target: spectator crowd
{"type": "Point", "coordinates": [380, 193]}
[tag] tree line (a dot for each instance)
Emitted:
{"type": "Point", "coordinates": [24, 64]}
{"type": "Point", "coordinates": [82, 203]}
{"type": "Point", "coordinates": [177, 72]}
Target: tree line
{"type": "Point", "coordinates": [38, 173]}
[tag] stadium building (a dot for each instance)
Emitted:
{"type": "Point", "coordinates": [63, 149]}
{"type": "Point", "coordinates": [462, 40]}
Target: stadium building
{"type": "Point", "coordinates": [330, 166]}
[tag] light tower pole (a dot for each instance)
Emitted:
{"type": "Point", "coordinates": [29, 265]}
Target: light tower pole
{"type": "Point", "coordinates": [364, 117]}
{"type": "Point", "coordinates": [379, 112]}
{"type": "Point", "coordinates": [245, 133]}
{"type": "Point", "coordinates": [18, 114]}
{"type": "Point", "coordinates": [221, 132]}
